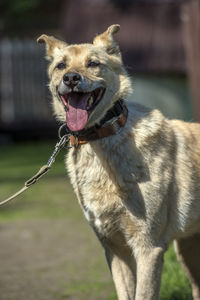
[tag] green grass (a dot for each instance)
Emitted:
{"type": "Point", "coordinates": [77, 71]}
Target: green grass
{"type": "Point", "coordinates": [175, 285]}
{"type": "Point", "coordinates": [47, 199]}
{"type": "Point", "coordinates": [20, 162]}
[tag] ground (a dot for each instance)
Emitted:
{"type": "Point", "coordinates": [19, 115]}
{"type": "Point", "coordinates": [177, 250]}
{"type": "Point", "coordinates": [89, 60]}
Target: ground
{"type": "Point", "coordinates": [44, 261]}
{"type": "Point", "coordinates": [47, 249]}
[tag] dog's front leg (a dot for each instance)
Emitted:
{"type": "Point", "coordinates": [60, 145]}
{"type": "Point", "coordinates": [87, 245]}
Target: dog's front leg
{"type": "Point", "coordinates": [122, 267]}
{"type": "Point", "coordinates": [149, 268]}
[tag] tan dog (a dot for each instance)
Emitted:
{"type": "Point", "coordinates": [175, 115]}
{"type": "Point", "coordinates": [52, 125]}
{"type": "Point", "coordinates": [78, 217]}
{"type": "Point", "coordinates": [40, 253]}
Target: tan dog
{"type": "Point", "coordinates": [138, 188]}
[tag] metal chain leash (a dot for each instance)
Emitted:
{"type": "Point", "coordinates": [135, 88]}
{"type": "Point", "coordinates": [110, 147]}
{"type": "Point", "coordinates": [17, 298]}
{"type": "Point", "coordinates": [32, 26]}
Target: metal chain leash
{"type": "Point", "coordinates": [44, 169]}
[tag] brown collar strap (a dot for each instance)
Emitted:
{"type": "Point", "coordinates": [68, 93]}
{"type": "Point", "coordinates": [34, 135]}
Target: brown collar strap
{"type": "Point", "coordinates": [108, 128]}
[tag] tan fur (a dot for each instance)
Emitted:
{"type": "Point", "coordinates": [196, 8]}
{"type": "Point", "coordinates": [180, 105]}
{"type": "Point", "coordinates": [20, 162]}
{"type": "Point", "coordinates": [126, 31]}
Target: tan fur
{"type": "Point", "coordinates": [139, 189]}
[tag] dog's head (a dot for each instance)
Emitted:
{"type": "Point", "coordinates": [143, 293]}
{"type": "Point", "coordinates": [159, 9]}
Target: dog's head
{"type": "Point", "coordinates": [85, 79]}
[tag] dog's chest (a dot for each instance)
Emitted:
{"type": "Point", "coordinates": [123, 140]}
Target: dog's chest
{"type": "Point", "coordinates": [96, 192]}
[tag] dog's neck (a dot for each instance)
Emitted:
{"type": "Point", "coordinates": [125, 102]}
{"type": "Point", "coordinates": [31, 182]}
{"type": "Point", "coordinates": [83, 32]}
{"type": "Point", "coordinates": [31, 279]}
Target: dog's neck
{"type": "Point", "coordinates": [111, 124]}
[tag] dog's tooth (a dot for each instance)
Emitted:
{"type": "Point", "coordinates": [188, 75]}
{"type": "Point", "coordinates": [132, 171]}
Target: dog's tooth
{"type": "Point", "coordinates": [90, 102]}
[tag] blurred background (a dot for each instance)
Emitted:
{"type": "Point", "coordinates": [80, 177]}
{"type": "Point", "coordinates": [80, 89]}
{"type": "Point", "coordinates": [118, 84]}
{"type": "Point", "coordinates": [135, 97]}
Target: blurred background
{"type": "Point", "coordinates": [159, 41]}
{"type": "Point", "coordinates": [47, 250]}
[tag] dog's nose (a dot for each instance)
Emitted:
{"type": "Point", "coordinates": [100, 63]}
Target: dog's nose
{"type": "Point", "coordinates": [71, 79]}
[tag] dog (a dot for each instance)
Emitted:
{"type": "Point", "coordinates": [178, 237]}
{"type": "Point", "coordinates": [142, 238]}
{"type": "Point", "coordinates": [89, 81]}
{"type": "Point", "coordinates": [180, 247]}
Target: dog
{"type": "Point", "coordinates": [136, 174]}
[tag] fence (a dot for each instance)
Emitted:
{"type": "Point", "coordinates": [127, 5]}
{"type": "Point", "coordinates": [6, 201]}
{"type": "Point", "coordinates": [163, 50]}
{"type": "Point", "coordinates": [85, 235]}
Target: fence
{"type": "Point", "coordinates": [24, 96]}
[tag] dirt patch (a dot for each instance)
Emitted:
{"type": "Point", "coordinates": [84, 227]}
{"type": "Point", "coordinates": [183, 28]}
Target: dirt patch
{"type": "Point", "coordinates": [47, 260]}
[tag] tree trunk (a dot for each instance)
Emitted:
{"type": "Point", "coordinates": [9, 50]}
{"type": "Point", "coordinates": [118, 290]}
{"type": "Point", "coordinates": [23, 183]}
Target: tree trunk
{"type": "Point", "coordinates": [191, 30]}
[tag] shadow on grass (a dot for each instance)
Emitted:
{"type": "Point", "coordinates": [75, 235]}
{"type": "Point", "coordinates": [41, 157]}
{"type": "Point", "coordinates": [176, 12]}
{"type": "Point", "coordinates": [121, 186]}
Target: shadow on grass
{"type": "Point", "coordinates": [176, 296]}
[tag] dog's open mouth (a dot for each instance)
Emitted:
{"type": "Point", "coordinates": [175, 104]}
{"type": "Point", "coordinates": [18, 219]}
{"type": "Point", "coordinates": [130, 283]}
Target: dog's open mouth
{"type": "Point", "coordinates": [78, 107]}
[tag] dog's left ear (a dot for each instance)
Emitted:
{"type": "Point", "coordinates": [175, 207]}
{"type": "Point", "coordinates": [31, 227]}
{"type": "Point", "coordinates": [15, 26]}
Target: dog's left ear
{"type": "Point", "coordinates": [107, 41]}
{"type": "Point", "coordinates": [52, 44]}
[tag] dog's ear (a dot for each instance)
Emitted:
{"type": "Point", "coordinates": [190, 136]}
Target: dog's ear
{"type": "Point", "coordinates": [52, 45]}
{"type": "Point", "coordinates": [107, 41]}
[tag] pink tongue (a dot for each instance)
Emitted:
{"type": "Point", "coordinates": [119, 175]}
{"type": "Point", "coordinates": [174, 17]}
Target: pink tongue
{"type": "Point", "coordinates": [77, 115]}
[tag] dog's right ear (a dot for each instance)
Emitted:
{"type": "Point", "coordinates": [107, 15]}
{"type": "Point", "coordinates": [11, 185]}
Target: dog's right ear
{"type": "Point", "coordinates": [107, 41]}
{"type": "Point", "coordinates": [52, 45]}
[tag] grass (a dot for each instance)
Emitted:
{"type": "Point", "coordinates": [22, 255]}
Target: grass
{"type": "Point", "coordinates": [47, 199]}
{"type": "Point", "coordinates": [19, 163]}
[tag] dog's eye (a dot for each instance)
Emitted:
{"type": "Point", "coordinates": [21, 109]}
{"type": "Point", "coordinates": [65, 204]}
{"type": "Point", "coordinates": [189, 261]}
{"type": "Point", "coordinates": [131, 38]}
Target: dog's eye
{"type": "Point", "coordinates": [61, 66]}
{"type": "Point", "coordinates": [93, 63]}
